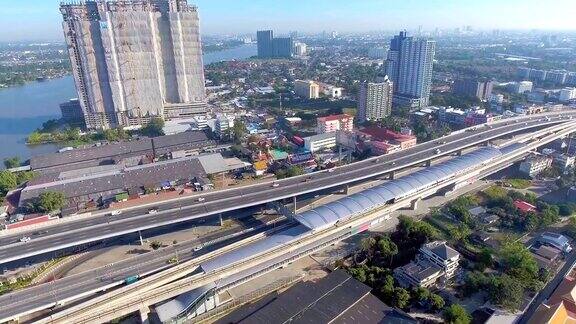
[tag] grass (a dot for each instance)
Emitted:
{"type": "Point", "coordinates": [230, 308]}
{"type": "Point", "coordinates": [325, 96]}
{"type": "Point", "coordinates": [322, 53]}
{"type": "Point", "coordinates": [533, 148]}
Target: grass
{"type": "Point", "coordinates": [441, 223]}
{"type": "Point", "coordinates": [519, 183]}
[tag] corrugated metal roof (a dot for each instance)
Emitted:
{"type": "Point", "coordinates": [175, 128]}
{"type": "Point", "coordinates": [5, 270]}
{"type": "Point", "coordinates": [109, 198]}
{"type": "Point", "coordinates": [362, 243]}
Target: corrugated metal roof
{"type": "Point", "coordinates": [325, 216]}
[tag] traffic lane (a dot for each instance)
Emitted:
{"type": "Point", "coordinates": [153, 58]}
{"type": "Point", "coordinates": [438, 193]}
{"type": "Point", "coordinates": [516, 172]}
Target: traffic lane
{"type": "Point", "coordinates": [235, 192]}
{"type": "Point", "coordinates": [96, 279]}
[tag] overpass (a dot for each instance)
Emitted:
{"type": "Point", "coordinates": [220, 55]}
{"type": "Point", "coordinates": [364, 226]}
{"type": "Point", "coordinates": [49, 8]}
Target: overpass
{"type": "Point", "coordinates": [82, 229]}
{"type": "Point", "coordinates": [196, 273]}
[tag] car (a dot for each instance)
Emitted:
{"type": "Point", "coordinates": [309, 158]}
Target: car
{"type": "Point", "coordinates": [201, 199]}
{"type": "Point", "coordinates": [330, 170]}
{"type": "Point", "coordinates": [198, 248]}
{"type": "Point", "coordinates": [115, 212]}
{"type": "Point", "coordinates": [153, 211]}
{"type": "Point", "coordinates": [393, 163]}
{"type": "Point", "coordinates": [438, 151]}
{"type": "Point", "coordinates": [25, 239]}
{"type": "Point", "coordinates": [275, 184]}
{"type": "Point", "coordinates": [39, 232]}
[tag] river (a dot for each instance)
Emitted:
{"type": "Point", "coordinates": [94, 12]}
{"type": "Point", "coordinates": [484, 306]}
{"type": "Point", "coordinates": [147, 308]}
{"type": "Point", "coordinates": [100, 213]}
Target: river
{"type": "Point", "coordinates": [24, 108]}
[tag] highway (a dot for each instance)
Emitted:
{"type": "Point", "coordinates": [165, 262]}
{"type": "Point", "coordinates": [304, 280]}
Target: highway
{"type": "Point", "coordinates": [19, 303]}
{"type": "Point", "coordinates": [45, 295]}
{"type": "Point", "coordinates": [101, 226]}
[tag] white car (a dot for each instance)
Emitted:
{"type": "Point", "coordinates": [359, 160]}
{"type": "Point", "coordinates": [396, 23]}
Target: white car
{"type": "Point", "coordinates": [25, 239]}
{"type": "Point", "coordinates": [331, 170]}
{"type": "Point", "coordinates": [275, 184]}
{"type": "Point", "coordinates": [116, 212]}
{"type": "Point", "coordinates": [201, 199]}
{"type": "Point", "coordinates": [153, 211]}
{"type": "Point", "coordinates": [198, 248]}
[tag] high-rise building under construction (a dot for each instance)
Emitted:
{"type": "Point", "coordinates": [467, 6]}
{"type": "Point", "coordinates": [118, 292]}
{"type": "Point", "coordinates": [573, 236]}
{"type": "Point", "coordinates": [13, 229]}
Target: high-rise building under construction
{"type": "Point", "coordinates": [135, 59]}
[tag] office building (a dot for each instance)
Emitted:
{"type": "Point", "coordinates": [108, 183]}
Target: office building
{"type": "Point", "coordinates": [72, 113]}
{"type": "Point", "coordinates": [321, 142]}
{"type": "Point", "coordinates": [265, 47]}
{"type": "Point", "coordinates": [473, 88]}
{"type": "Point", "coordinates": [307, 89]}
{"type": "Point", "coordinates": [273, 47]}
{"type": "Point", "coordinates": [535, 164]}
{"type": "Point", "coordinates": [300, 49]}
{"type": "Point", "coordinates": [134, 60]}
{"type": "Point", "coordinates": [567, 94]}
{"type": "Point", "coordinates": [409, 66]}
{"type": "Point", "coordinates": [223, 126]}
{"type": "Point", "coordinates": [375, 100]}
{"type": "Point", "coordinates": [333, 123]}
{"type": "Point", "coordinates": [521, 87]}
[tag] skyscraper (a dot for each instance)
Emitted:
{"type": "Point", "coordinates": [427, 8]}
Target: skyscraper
{"type": "Point", "coordinates": [409, 66]}
{"type": "Point", "coordinates": [265, 46]}
{"type": "Point", "coordinates": [274, 47]}
{"type": "Point", "coordinates": [375, 100]}
{"type": "Point", "coordinates": [133, 60]}
{"type": "Point", "coordinates": [480, 89]}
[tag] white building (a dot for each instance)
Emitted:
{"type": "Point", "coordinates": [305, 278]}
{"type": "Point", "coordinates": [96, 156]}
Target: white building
{"type": "Point", "coordinates": [307, 89]}
{"type": "Point", "coordinates": [320, 142]}
{"type": "Point", "coordinates": [222, 125]}
{"type": "Point", "coordinates": [331, 91]}
{"type": "Point", "coordinates": [567, 94]}
{"type": "Point", "coordinates": [375, 100]}
{"type": "Point", "coordinates": [522, 86]}
{"type": "Point", "coordinates": [300, 49]}
{"type": "Point", "coordinates": [535, 164]}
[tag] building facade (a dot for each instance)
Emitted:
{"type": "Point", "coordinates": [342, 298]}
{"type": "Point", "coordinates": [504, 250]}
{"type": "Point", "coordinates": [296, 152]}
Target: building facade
{"type": "Point", "coordinates": [535, 164]}
{"type": "Point", "coordinates": [72, 113]}
{"type": "Point", "coordinates": [321, 142]}
{"type": "Point", "coordinates": [134, 60]}
{"type": "Point", "coordinates": [409, 65]}
{"type": "Point", "coordinates": [273, 47]}
{"type": "Point", "coordinates": [335, 123]}
{"type": "Point", "coordinates": [307, 89]}
{"type": "Point", "coordinates": [375, 100]}
{"type": "Point", "coordinates": [473, 88]}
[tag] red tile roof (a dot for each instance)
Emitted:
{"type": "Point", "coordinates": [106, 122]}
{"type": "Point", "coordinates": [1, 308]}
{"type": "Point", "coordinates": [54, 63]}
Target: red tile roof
{"type": "Point", "coordinates": [333, 117]}
{"type": "Point", "coordinates": [524, 206]}
{"type": "Point", "coordinates": [383, 134]}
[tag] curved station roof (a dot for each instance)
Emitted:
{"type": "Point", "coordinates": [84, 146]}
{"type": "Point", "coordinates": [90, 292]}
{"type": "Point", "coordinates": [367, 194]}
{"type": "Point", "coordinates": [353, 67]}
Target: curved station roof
{"type": "Point", "coordinates": [366, 200]}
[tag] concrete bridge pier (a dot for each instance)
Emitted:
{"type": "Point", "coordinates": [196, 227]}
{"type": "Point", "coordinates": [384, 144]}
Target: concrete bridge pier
{"type": "Point", "coordinates": [294, 205]}
{"type": "Point", "coordinates": [428, 163]}
{"type": "Point", "coordinates": [346, 189]}
{"type": "Point", "coordinates": [414, 204]}
{"type": "Point", "coordinates": [144, 315]}
{"type": "Point", "coordinates": [459, 153]}
{"type": "Point", "coordinates": [391, 175]}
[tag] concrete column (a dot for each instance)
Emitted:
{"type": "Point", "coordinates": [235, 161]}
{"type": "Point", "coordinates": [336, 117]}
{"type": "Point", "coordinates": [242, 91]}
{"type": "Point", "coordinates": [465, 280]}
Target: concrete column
{"type": "Point", "coordinates": [141, 240]}
{"type": "Point", "coordinates": [346, 189]}
{"type": "Point", "coordinates": [391, 175]}
{"type": "Point", "coordinates": [295, 207]}
{"type": "Point", "coordinates": [144, 315]}
{"type": "Point", "coordinates": [459, 153]}
{"type": "Point", "coordinates": [414, 204]}
{"type": "Point", "coordinates": [428, 163]}
{"type": "Point", "coordinates": [220, 218]}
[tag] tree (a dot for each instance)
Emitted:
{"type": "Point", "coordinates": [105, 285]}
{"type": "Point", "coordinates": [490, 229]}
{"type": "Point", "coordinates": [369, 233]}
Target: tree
{"type": "Point", "coordinates": [154, 128]}
{"type": "Point", "coordinates": [456, 314]}
{"type": "Point", "coordinates": [518, 262]}
{"type": "Point", "coordinates": [485, 258]}
{"type": "Point", "coordinates": [238, 131]}
{"type": "Point", "coordinates": [421, 294]}
{"type": "Point", "coordinates": [367, 245]}
{"type": "Point", "coordinates": [8, 181]}
{"type": "Point", "coordinates": [436, 301]}
{"type": "Point", "coordinates": [460, 233]}
{"type": "Point", "coordinates": [506, 291]}
{"type": "Point", "coordinates": [387, 289]}
{"type": "Point", "coordinates": [387, 248]}
{"type": "Point", "coordinates": [24, 176]}
{"type": "Point", "coordinates": [401, 298]}
{"type": "Point", "coordinates": [155, 245]}
{"type": "Point", "coordinates": [35, 138]}
{"type": "Point", "coordinates": [50, 201]}
{"type": "Point", "coordinates": [12, 162]}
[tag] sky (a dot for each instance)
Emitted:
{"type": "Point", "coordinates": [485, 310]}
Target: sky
{"type": "Point", "coordinates": [22, 20]}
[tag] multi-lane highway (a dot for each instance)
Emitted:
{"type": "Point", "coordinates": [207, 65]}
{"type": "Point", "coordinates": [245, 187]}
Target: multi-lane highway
{"type": "Point", "coordinates": [101, 226]}
{"type": "Point", "coordinates": [45, 295]}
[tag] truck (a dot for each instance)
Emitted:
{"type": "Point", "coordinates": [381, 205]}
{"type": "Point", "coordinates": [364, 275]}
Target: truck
{"type": "Point", "coordinates": [130, 280]}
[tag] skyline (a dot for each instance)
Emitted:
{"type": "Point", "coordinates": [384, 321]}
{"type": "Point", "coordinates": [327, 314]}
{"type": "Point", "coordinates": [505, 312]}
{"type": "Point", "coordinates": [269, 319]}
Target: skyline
{"type": "Point", "coordinates": [40, 20]}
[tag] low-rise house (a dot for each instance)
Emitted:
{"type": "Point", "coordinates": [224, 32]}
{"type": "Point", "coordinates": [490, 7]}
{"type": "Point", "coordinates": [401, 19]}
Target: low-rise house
{"type": "Point", "coordinates": [489, 219]}
{"type": "Point", "coordinates": [545, 255]}
{"type": "Point", "coordinates": [434, 261]}
{"type": "Point", "coordinates": [524, 206]}
{"type": "Point", "coordinates": [260, 167]}
{"type": "Point", "coordinates": [560, 306]}
{"type": "Point", "coordinates": [556, 240]}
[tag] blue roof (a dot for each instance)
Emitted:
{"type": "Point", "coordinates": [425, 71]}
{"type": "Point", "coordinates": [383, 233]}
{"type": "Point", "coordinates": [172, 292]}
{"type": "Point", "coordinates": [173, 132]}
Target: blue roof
{"type": "Point", "coordinates": [353, 205]}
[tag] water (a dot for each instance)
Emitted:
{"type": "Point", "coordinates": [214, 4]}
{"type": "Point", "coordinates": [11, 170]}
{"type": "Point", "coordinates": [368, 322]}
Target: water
{"type": "Point", "coordinates": [23, 109]}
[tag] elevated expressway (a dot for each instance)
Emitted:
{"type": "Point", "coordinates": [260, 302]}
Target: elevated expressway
{"type": "Point", "coordinates": [196, 273]}
{"type": "Point", "coordinates": [77, 230]}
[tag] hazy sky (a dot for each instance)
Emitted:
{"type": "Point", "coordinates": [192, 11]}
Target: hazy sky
{"type": "Point", "coordinates": [40, 19]}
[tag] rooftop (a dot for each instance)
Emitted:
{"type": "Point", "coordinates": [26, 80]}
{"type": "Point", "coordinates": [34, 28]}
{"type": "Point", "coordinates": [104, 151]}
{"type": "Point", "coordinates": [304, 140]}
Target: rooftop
{"type": "Point", "coordinates": [334, 117]}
